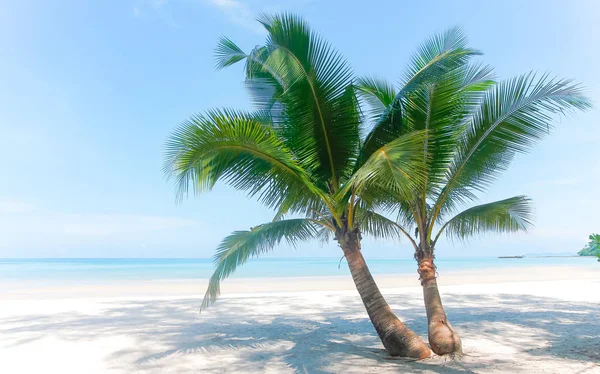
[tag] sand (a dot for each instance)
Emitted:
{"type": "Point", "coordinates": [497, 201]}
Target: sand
{"type": "Point", "coordinates": [542, 320]}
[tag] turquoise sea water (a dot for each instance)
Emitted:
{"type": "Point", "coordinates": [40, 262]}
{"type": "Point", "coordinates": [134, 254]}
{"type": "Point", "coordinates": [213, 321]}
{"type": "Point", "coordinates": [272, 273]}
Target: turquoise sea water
{"type": "Point", "coordinates": [86, 269]}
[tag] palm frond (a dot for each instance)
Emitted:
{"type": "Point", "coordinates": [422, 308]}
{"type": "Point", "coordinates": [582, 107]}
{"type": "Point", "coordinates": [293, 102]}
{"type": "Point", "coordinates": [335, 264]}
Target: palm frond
{"type": "Point", "coordinates": [378, 93]}
{"type": "Point", "coordinates": [508, 215]}
{"type": "Point", "coordinates": [264, 85]}
{"type": "Point", "coordinates": [240, 246]}
{"type": "Point", "coordinates": [439, 55]}
{"type": "Point", "coordinates": [397, 168]}
{"type": "Point", "coordinates": [442, 107]}
{"type": "Point", "coordinates": [324, 235]}
{"type": "Point", "coordinates": [227, 53]}
{"type": "Point", "coordinates": [318, 115]}
{"type": "Point", "coordinates": [402, 209]}
{"type": "Point", "coordinates": [512, 117]}
{"type": "Point", "coordinates": [379, 226]}
{"type": "Point", "coordinates": [238, 148]}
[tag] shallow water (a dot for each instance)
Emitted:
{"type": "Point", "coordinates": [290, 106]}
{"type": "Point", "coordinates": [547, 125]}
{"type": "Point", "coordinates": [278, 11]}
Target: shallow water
{"type": "Point", "coordinates": [143, 269]}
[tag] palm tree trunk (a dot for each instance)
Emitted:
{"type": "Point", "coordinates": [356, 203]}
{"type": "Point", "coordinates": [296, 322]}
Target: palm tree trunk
{"type": "Point", "coordinates": [443, 339]}
{"type": "Point", "coordinates": [397, 339]}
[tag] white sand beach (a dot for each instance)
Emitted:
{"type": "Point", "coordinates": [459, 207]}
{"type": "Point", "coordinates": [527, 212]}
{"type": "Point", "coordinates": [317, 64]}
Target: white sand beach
{"type": "Point", "coordinates": [536, 320]}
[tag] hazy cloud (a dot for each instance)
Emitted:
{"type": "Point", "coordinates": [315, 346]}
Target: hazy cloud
{"type": "Point", "coordinates": [11, 206]}
{"type": "Point", "coordinates": [155, 8]}
{"type": "Point", "coordinates": [238, 12]}
{"type": "Point", "coordinates": [111, 224]}
{"type": "Point", "coordinates": [22, 224]}
{"type": "Point", "coordinates": [557, 233]}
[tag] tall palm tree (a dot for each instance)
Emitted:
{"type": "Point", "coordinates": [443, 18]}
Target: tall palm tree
{"type": "Point", "coordinates": [302, 154]}
{"type": "Point", "coordinates": [475, 127]}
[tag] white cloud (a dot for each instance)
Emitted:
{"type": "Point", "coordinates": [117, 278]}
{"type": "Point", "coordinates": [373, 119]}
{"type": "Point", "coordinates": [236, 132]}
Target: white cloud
{"type": "Point", "coordinates": [238, 12]}
{"type": "Point", "coordinates": [29, 232]}
{"type": "Point", "coordinates": [111, 224]}
{"type": "Point", "coordinates": [553, 238]}
{"type": "Point", "coordinates": [22, 223]}
{"type": "Point", "coordinates": [549, 233]}
{"type": "Point", "coordinates": [12, 225]}
{"type": "Point", "coordinates": [11, 206]}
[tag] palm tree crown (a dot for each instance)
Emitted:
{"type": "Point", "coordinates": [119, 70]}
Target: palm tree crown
{"type": "Point", "coordinates": [475, 127]}
{"type": "Point", "coordinates": [301, 151]}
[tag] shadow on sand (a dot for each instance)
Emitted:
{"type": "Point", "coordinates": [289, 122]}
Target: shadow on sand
{"type": "Point", "coordinates": [308, 335]}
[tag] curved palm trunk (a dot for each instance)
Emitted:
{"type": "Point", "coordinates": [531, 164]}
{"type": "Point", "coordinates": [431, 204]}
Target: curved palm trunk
{"type": "Point", "coordinates": [443, 339]}
{"type": "Point", "coordinates": [397, 339]}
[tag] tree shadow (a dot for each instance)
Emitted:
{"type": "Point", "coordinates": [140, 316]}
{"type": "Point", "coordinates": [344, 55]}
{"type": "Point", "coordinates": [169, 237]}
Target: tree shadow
{"type": "Point", "coordinates": [321, 333]}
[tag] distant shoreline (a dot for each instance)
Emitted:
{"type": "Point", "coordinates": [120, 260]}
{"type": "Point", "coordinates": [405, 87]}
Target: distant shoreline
{"type": "Point", "coordinates": [542, 256]}
{"type": "Point", "coordinates": [560, 256]}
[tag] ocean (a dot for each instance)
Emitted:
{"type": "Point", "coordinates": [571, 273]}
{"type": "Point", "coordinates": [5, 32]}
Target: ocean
{"type": "Point", "coordinates": [100, 269]}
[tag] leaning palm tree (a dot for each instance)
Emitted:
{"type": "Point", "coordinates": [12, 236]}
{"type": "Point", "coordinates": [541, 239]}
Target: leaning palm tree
{"type": "Point", "coordinates": [301, 153]}
{"type": "Point", "coordinates": [475, 127]}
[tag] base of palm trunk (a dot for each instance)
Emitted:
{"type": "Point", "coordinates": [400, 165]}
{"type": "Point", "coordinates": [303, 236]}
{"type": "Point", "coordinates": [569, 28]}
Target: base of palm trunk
{"type": "Point", "coordinates": [402, 342]}
{"type": "Point", "coordinates": [443, 339]}
{"type": "Point", "coordinates": [397, 339]}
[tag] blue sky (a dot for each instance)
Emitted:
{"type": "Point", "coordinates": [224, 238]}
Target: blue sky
{"type": "Point", "coordinates": [91, 90]}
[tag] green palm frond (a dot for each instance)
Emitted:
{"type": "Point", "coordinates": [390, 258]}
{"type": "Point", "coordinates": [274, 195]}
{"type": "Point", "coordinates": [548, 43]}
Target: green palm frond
{"type": "Point", "coordinates": [240, 246]}
{"type": "Point", "coordinates": [324, 235]}
{"type": "Point", "coordinates": [379, 226]}
{"type": "Point", "coordinates": [477, 78]}
{"type": "Point", "coordinates": [378, 93]}
{"type": "Point", "coordinates": [317, 113]}
{"type": "Point", "coordinates": [509, 215]}
{"type": "Point", "coordinates": [512, 116]}
{"type": "Point", "coordinates": [227, 53]}
{"type": "Point", "coordinates": [398, 168]}
{"type": "Point", "coordinates": [448, 100]}
{"type": "Point", "coordinates": [401, 208]}
{"type": "Point", "coordinates": [238, 148]}
{"type": "Point", "coordinates": [263, 85]}
{"type": "Point", "coordinates": [474, 125]}
{"type": "Point", "coordinates": [292, 203]}
{"type": "Point", "coordinates": [307, 88]}
{"type": "Point", "coordinates": [439, 55]}
{"type": "Point", "coordinates": [442, 107]}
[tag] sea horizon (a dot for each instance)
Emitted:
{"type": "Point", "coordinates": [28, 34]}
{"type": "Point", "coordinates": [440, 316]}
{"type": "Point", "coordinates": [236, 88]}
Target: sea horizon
{"type": "Point", "coordinates": [99, 269]}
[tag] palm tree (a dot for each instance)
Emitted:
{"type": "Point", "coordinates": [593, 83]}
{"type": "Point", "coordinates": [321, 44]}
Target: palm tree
{"type": "Point", "coordinates": [475, 127]}
{"type": "Point", "coordinates": [302, 154]}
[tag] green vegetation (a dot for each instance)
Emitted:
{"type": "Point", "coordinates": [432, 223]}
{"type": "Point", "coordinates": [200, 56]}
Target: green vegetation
{"type": "Point", "coordinates": [332, 168]}
{"type": "Point", "coordinates": [302, 154]}
{"type": "Point", "coordinates": [475, 127]}
{"type": "Point", "coordinates": [592, 248]}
